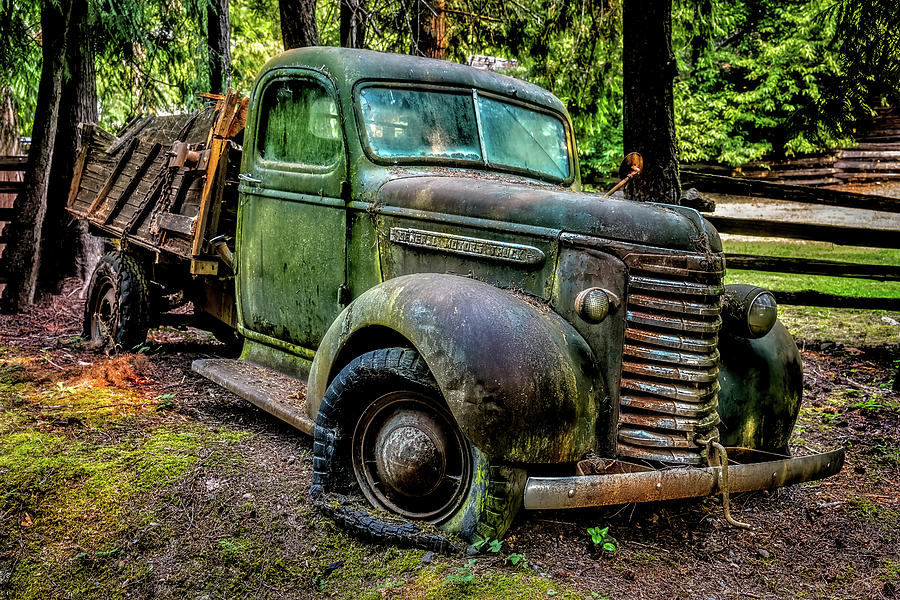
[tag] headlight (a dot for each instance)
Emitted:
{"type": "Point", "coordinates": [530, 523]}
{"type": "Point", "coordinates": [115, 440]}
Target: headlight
{"type": "Point", "coordinates": [749, 311]}
{"type": "Point", "coordinates": [593, 304]}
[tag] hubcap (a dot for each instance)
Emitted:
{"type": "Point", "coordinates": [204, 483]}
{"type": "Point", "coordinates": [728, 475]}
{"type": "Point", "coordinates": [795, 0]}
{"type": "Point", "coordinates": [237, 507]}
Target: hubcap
{"type": "Point", "coordinates": [409, 453]}
{"type": "Point", "coordinates": [410, 458]}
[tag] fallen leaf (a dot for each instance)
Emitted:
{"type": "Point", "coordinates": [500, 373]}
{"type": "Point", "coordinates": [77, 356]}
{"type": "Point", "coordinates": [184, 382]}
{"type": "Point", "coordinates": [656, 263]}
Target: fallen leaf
{"type": "Point", "coordinates": [27, 522]}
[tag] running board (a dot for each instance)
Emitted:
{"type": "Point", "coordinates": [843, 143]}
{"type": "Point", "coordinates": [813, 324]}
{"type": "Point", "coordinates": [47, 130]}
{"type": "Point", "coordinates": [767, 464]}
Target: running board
{"type": "Point", "coordinates": [279, 395]}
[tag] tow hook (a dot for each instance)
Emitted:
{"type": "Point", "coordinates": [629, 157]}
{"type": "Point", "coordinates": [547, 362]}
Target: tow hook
{"type": "Point", "coordinates": [716, 453]}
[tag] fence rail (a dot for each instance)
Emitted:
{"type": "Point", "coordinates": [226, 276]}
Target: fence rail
{"type": "Point", "coordinates": [8, 191]}
{"type": "Point", "coordinates": [836, 234]}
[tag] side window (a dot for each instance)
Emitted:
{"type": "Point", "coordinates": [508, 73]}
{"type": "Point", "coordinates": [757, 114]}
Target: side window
{"type": "Point", "coordinates": [299, 124]}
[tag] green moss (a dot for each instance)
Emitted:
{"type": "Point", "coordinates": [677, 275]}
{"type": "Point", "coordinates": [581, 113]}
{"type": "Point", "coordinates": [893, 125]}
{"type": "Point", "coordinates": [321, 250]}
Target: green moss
{"type": "Point", "coordinates": [873, 511]}
{"type": "Point", "coordinates": [26, 383]}
{"type": "Point", "coordinates": [815, 250]}
{"type": "Point", "coordinates": [843, 286]}
{"type": "Point", "coordinates": [80, 495]}
{"type": "Point", "coordinates": [433, 584]}
{"type": "Point", "coordinates": [891, 570]}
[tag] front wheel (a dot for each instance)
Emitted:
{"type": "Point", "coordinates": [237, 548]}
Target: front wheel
{"type": "Point", "coordinates": [116, 310]}
{"type": "Point", "coordinates": [384, 431]}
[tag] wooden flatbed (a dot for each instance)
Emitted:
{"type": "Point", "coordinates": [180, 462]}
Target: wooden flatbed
{"type": "Point", "coordinates": [165, 183]}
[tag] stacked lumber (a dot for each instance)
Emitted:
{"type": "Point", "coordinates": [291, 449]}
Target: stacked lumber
{"type": "Point", "coordinates": [876, 157]}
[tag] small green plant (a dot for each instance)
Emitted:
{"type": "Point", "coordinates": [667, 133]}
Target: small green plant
{"type": "Point", "coordinates": [875, 402]}
{"type": "Point", "coordinates": [488, 545]}
{"type": "Point", "coordinates": [165, 400]}
{"type": "Point", "coordinates": [516, 558]}
{"type": "Point", "coordinates": [465, 574]}
{"type": "Point", "coordinates": [601, 539]}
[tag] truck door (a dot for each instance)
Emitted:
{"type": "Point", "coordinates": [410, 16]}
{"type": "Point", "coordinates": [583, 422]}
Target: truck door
{"type": "Point", "coordinates": [292, 232]}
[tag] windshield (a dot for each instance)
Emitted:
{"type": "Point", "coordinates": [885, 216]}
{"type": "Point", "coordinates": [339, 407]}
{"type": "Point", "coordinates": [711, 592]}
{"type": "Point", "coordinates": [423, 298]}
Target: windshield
{"type": "Point", "coordinates": [415, 125]}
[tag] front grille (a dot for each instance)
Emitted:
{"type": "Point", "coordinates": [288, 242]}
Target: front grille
{"type": "Point", "coordinates": [670, 365]}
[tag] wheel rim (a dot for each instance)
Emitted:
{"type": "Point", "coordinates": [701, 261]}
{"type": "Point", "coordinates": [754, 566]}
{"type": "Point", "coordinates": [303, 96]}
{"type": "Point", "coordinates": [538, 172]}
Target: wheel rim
{"type": "Point", "coordinates": [103, 312]}
{"type": "Point", "coordinates": [410, 457]}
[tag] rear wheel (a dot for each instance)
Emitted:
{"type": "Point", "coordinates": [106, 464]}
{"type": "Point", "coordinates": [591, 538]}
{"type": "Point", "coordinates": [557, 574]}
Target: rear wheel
{"type": "Point", "coordinates": [116, 310]}
{"type": "Point", "coordinates": [384, 431]}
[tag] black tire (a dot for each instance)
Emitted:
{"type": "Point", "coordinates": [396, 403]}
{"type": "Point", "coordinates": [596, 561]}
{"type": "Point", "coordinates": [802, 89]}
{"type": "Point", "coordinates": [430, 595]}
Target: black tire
{"type": "Point", "coordinates": [380, 390]}
{"type": "Point", "coordinates": [117, 307]}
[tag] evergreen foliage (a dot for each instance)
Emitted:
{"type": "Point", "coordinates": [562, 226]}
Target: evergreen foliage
{"type": "Point", "coordinates": [757, 78]}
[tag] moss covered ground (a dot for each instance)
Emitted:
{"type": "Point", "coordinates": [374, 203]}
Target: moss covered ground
{"type": "Point", "coordinates": [111, 487]}
{"type": "Point", "coordinates": [130, 477]}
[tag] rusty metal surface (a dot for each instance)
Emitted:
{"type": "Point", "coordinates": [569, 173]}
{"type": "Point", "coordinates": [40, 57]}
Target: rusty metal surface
{"type": "Point", "coordinates": [410, 458]}
{"type": "Point", "coordinates": [670, 367]}
{"type": "Point", "coordinates": [279, 395]}
{"type": "Point", "coordinates": [762, 385]}
{"type": "Point", "coordinates": [521, 382]}
{"type": "Point", "coordinates": [650, 486]}
{"type": "Point", "coordinates": [524, 203]}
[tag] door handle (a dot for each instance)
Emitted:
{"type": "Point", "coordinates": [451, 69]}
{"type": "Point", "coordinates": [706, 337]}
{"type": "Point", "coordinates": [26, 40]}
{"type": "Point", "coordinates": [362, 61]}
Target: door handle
{"type": "Point", "coordinates": [247, 178]}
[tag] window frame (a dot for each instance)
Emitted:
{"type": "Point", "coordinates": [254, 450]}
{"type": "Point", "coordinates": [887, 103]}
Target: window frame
{"type": "Point", "coordinates": [307, 77]}
{"type": "Point", "coordinates": [473, 93]}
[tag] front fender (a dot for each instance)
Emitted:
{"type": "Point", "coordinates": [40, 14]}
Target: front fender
{"type": "Point", "coordinates": [520, 381]}
{"type": "Point", "coordinates": [762, 382]}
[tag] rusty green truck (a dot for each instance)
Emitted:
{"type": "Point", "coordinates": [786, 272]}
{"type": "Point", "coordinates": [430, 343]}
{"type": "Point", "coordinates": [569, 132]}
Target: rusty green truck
{"type": "Point", "coordinates": [409, 238]}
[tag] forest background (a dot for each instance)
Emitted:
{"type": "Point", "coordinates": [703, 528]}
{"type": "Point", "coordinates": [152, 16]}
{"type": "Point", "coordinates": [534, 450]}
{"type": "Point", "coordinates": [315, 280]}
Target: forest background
{"type": "Point", "coordinates": [755, 79]}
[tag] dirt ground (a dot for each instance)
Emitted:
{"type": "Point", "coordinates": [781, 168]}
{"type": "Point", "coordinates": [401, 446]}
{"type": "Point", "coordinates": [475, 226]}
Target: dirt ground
{"type": "Point", "coordinates": [797, 212]}
{"type": "Point", "coordinates": [130, 477]}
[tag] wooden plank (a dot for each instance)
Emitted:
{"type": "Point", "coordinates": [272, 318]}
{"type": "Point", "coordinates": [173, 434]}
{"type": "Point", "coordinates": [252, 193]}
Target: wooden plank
{"type": "Point", "coordinates": [784, 191]}
{"type": "Point", "coordinates": [133, 181]}
{"type": "Point", "coordinates": [811, 182]}
{"type": "Point", "coordinates": [867, 165]}
{"type": "Point", "coordinates": [877, 146]}
{"type": "Point", "coordinates": [176, 223]}
{"type": "Point", "coordinates": [882, 139]}
{"type": "Point", "coordinates": [130, 135]}
{"type": "Point", "coordinates": [146, 203]}
{"type": "Point", "coordinates": [877, 154]}
{"type": "Point", "coordinates": [77, 173]}
{"type": "Point", "coordinates": [793, 163]}
{"type": "Point", "coordinates": [811, 298]}
{"type": "Point", "coordinates": [836, 234]}
{"type": "Point", "coordinates": [112, 177]}
{"type": "Point", "coordinates": [13, 163]}
{"type": "Point", "coordinates": [215, 172]}
{"type": "Point", "coordinates": [791, 173]}
{"type": "Point", "coordinates": [809, 266]}
{"type": "Point", "coordinates": [860, 176]}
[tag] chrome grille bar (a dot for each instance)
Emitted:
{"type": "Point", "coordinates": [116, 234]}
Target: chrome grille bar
{"type": "Point", "coordinates": [670, 370]}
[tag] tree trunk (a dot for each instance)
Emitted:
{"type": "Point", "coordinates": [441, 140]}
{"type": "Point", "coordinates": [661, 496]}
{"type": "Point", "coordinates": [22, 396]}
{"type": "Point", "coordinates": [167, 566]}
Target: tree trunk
{"type": "Point", "coordinates": [353, 24]}
{"type": "Point", "coordinates": [298, 23]}
{"type": "Point", "coordinates": [62, 235]}
{"type": "Point", "coordinates": [218, 28]}
{"type": "Point", "coordinates": [22, 257]}
{"type": "Point", "coordinates": [429, 37]}
{"type": "Point", "coordinates": [649, 123]}
{"type": "Point", "coordinates": [9, 125]}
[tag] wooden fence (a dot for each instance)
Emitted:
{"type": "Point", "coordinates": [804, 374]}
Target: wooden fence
{"type": "Point", "coordinates": [836, 234]}
{"type": "Point", "coordinates": [11, 171]}
{"type": "Point", "coordinates": [875, 157]}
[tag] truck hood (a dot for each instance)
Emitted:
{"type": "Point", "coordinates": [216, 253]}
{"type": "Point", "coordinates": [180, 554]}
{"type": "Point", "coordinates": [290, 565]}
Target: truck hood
{"type": "Point", "coordinates": [481, 196]}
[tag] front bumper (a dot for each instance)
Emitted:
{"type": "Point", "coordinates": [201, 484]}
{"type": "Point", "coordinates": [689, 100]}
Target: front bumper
{"type": "Point", "coordinates": [748, 470]}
